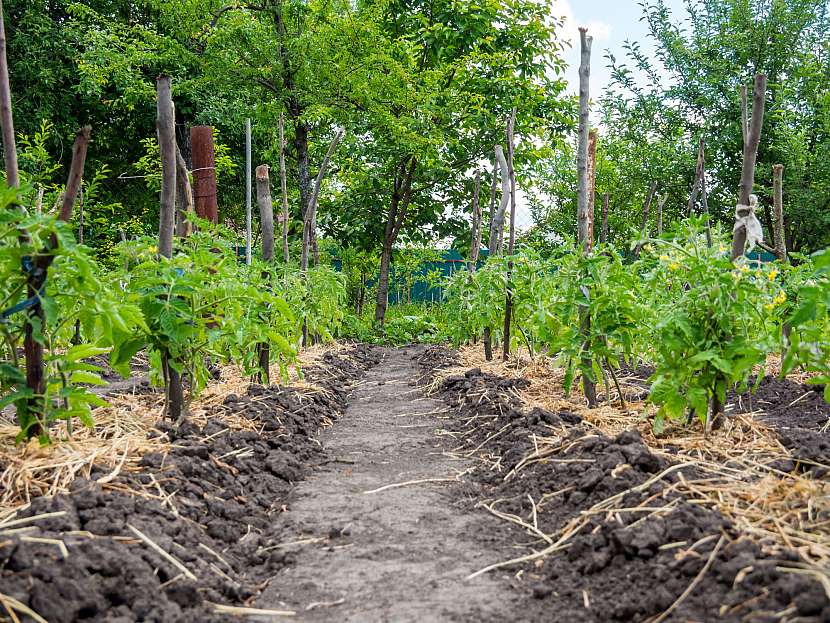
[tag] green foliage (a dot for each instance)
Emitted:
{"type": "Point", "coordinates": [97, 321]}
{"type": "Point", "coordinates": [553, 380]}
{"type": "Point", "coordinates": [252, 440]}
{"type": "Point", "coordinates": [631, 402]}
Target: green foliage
{"type": "Point", "coordinates": [809, 345]}
{"type": "Point", "coordinates": [75, 291]}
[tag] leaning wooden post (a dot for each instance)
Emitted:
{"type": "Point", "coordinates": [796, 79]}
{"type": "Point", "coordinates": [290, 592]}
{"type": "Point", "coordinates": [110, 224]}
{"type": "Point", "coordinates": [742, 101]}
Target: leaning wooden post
{"type": "Point", "coordinates": [284, 190]}
{"type": "Point", "coordinates": [165, 126]}
{"type": "Point", "coordinates": [184, 197]}
{"type": "Point", "coordinates": [204, 172]}
{"type": "Point", "coordinates": [266, 219]}
{"type": "Point", "coordinates": [778, 207]}
{"type": "Point", "coordinates": [508, 303]}
{"type": "Point", "coordinates": [583, 205]}
{"type": "Point", "coordinates": [748, 170]}
{"type": "Point", "coordinates": [475, 239]}
{"type": "Point", "coordinates": [698, 181]}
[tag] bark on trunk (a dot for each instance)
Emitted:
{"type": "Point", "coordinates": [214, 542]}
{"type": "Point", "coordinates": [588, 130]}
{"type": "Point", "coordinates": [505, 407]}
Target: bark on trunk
{"type": "Point", "coordinates": [395, 216]}
{"type": "Point", "coordinates": [284, 191]}
{"type": "Point", "coordinates": [204, 172]}
{"type": "Point", "coordinates": [753, 138]}
{"type": "Point", "coordinates": [494, 182]}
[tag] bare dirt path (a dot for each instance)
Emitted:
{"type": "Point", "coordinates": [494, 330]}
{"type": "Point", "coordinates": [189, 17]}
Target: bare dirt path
{"type": "Point", "coordinates": [401, 554]}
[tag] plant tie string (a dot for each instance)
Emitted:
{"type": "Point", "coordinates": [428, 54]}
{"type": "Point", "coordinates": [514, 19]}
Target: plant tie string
{"type": "Point", "coordinates": [745, 217]}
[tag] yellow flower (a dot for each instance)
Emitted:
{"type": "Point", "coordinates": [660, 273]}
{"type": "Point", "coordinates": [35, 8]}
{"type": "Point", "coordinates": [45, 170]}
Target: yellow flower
{"type": "Point", "coordinates": [674, 266]}
{"type": "Point", "coordinates": [153, 249]}
{"type": "Point", "coordinates": [769, 306]}
{"type": "Point", "coordinates": [744, 268]}
{"type": "Point", "coordinates": [780, 297]}
{"type": "Point", "coordinates": [664, 258]}
{"type": "Point", "coordinates": [772, 274]}
{"type": "Point", "coordinates": [721, 248]}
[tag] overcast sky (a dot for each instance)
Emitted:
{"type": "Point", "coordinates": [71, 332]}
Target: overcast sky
{"type": "Point", "coordinates": [610, 23]}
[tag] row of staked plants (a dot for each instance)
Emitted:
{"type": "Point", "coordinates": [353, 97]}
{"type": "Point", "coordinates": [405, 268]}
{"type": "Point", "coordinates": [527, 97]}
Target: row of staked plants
{"type": "Point", "coordinates": [201, 307]}
{"type": "Point", "coordinates": [703, 323]}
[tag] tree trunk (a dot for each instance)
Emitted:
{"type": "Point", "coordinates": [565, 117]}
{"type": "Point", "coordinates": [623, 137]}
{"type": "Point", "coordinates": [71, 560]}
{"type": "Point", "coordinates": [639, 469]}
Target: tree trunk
{"type": "Point", "coordinates": [492, 212]}
{"type": "Point", "coordinates": [699, 178]}
{"type": "Point", "coordinates": [184, 197]}
{"type": "Point", "coordinates": [603, 234]}
{"type": "Point", "coordinates": [301, 147]}
{"type": "Point", "coordinates": [395, 216]}
{"type": "Point", "coordinates": [310, 219]}
{"type": "Point", "coordinates": [753, 139]}
{"type": "Point", "coordinates": [583, 206]}
{"type": "Point", "coordinates": [508, 303]}
{"type": "Point", "coordinates": [284, 190]}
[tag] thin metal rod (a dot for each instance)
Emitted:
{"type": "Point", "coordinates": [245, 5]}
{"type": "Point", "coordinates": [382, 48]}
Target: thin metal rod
{"type": "Point", "coordinates": [248, 191]}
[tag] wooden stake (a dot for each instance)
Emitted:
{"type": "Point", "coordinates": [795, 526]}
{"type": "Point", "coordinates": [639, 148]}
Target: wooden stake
{"type": "Point", "coordinates": [184, 197]}
{"type": "Point", "coordinates": [508, 304]}
{"type": "Point", "coordinates": [204, 172]}
{"type": "Point", "coordinates": [266, 211]}
{"type": "Point", "coordinates": [592, 182]}
{"type": "Point", "coordinates": [475, 240]}
{"type": "Point", "coordinates": [644, 223]}
{"type": "Point", "coordinates": [661, 202]}
{"type": "Point", "coordinates": [284, 189]}
{"type": "Point", "coordinates": [497, 223]}
{"type": "Point", "coordinates": [165, 126]}
{"type": "Point", "coordinates": [583, 206]}
{"type": "Point", "coordinates": [248, 193]}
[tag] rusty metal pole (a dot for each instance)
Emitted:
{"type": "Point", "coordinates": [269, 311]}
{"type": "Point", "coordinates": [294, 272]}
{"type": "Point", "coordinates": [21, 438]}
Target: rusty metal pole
{"type": "Point", "coordinates": [204, 173]}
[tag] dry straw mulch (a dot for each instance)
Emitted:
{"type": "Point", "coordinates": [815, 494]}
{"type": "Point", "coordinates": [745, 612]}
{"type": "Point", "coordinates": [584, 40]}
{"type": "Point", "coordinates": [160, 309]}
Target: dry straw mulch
{"type": "Point", "coordinates": [120, 437]}
{"type": "Point", "coordinates": [734, 465]}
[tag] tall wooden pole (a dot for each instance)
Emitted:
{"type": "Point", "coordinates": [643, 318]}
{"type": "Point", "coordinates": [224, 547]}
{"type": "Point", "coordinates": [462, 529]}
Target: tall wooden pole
{"type": "Point", "coordinates": [284, 190]}
{"type": "Point", "coordinates": [184, 197]}
{"type": "Point", "coordinates": [508, 304]}
{"type": "Point", "coordinates": [248, 191]}
{"type": "Point", "coordinates": [166, 128]}
{"type": "Point", "coordinates": [204, 172]}
{"type": "Point", "coordinates": [583, 206]}
{"type": "Point", "coordinates": [592, 183]}
{"type": "Point", "coordinates": [750, 154]}
{"type": "Point", "coordinates": [266, 219]}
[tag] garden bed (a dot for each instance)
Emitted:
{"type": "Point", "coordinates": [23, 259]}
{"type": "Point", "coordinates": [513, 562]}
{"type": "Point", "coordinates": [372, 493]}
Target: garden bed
{"type": "Point", "coordinates": [168, 525]}
{"type": "Point", "coordinates": [613, 523]}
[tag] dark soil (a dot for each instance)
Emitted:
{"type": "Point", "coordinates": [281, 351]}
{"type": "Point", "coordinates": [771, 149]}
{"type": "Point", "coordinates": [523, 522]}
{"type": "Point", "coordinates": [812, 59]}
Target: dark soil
{"type": "Point", "coordinates": [625, 566]}
{"type": "Point", "coordinates": [800, 416]}
{"type": "Point", "coordinates": [213, 503]}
